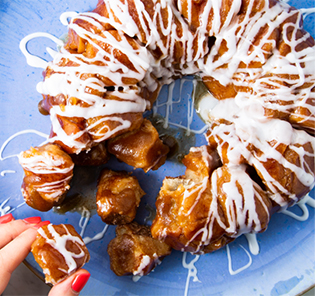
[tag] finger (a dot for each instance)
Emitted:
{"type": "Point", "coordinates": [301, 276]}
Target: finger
{"type": "Point", "coordinates": [15, 252]}
{"type": "Point", "coordinates": [10, 230]}
{"type": "Point", "coordinates": [6, 218]}
{"type": "Point", "coordinates": [71, 286]}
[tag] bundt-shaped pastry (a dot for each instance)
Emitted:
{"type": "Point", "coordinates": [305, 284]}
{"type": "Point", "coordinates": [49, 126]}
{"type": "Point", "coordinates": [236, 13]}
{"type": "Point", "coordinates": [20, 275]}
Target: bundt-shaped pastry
{"type": "Point", "coordinates": [60, 251]}
{"type": "Point", "coordinates": [258, 65]}
{"type": "Point", "coordinates": [48, 171]}
{"type": "Point", "coordinates": [108, 74]}
{"type": "Point", "coordinates": [252, 52]}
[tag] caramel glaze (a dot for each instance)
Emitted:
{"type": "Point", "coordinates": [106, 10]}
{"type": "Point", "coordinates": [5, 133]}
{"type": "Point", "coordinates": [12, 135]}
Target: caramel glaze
{"type": "Point", "coordinates": [118, 197]}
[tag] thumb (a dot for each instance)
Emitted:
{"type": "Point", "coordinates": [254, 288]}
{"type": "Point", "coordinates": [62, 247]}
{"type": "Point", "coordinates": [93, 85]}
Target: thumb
{"type": "Point", "coordinates": [72, 285]}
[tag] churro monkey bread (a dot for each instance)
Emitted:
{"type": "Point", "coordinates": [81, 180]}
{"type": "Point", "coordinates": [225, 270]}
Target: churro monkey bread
{"type": "Point", "coordinates": [257, 63]}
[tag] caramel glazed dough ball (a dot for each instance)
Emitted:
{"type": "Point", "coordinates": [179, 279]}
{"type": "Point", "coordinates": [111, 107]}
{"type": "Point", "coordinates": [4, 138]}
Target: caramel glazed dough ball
{"type": "Point", "coordinates": [48, 171]}
{"type": "Point", "coordinates": [134, 252]}
{"type": "Point", "coordinates": [60, 251]}
{"type": "Point", "coordinates": [118, 197]}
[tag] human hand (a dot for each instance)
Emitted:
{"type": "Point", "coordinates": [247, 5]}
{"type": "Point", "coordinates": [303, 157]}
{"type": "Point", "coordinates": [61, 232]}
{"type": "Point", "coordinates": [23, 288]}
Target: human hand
{"type": "Point", "coordinates": [16, 238]}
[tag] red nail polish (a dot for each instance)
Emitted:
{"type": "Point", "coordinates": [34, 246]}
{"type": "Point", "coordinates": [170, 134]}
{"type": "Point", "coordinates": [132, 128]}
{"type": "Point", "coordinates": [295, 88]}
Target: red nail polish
{"type": "Point", "coordinates": [32, 220]}
{"type": "Point", "coordinates": [6, 218]}
{"type": "Point", "coordinates": [40, 224]}
{"type": "Point", "coordinates": [80, 281]}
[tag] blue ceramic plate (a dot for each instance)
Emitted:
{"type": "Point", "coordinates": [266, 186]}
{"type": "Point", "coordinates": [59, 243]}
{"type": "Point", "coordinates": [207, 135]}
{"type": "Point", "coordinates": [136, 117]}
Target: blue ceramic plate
{"type": "Point", "coordinates": [285, 263]}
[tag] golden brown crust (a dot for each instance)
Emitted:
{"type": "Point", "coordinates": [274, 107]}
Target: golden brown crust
{"type": "Point", "coordinates": [98, 155]}
{"type": "Point", "coordinates": [175, 222]}
{"type": "Point", "coordinates": [60, 251]}
{"type": "Point", "coordinates": [253, 57]}
{"type": "Point", "coordinates": [118, 197]}
{"type": "Point", "coordinates": [48, 171]}
{"type": "Point", "coordinates": [141, 148]}
{"type": "Point", "coordinates": [134, 251]}
{"type": "Point", "coordinates": [280, 167]}
{"type": "Point", "coordinates": [209, 206]}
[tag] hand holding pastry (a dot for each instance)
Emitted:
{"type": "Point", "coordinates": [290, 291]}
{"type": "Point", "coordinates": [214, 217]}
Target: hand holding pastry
{"type": "Point", "coordinates": [16, 238]}
{"type": "Point", "coordinates": [60, 251]}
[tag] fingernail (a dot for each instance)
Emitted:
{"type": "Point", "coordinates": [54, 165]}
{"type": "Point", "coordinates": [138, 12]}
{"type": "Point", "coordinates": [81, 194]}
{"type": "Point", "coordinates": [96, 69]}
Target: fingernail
{"type": "Point", "coordinates": [6, 218]}
{"type": "Point", "coordinates": [80, 281]}
{"type": "Point", "coordinates": [40, 224]}
{"type": "Point", "coordinates": [32, 220]}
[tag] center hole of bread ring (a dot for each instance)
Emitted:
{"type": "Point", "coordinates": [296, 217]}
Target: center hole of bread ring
{"type": "Point", "coordinates": [176, 117]}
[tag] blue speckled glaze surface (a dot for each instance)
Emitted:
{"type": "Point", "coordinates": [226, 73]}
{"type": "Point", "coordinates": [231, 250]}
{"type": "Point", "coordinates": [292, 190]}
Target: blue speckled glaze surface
{"type": "Point", "coordinates": [285, 264]}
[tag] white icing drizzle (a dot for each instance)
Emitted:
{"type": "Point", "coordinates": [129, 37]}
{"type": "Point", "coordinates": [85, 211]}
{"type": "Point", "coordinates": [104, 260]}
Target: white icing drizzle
{"type": "Point", "coordinates": [84, 220]}
{"type": "Point", "coordinates": [192, 270]}
{"type": "Point", "coordinates": [311, 202]}
{"type": "Point", "coordinates": [252, 237]}
{"type": "Point", "coordinates": [234, 272]}
{"type": "Point", "coordinates": [246, 110]}
{"type": "Point", "coordinates": [44, 163]}
{"type": "Point", "coordinates": [96, 237]}
{"type": "Point", "coordinates": [4, 209]}
{"type": "Point", "coordinates": [136, 278]}
{"type": "Point", "coordinates": [3, 173]}
{"type": "Point", "coordinates": [165, 108]}
{"type": "Point", "coordinates": [6, 142]}
{"type": "Point", "coordinates": [260, 134]}
{"type": "Point", "coordinates": [59, 242]}
{"type": "Point", "coordinates": [252, 243]}
{"type": "Point", "coordinates": [145, 261]}
{"type": "Point", "coordinates": [7, 209]}
{"type": "Point", "coordinates": [307, 11]}
{"type": "Point", "coordinates": [262, 91]}
{"type": "Point", "coordinates": [64, 17]}
{"type": "Point", "coordinates": [246, 218]}
{"type": "Point", "coordinates": [40, 164]}
{"type": "Point", "coordinates": [33, 60]}
{"type": "Point", "coordinates": [47, 163]}
{"type": "Point", "coordinates": [67, 81]}
{"type": "Point", "coordinates": [240, 207]}
{"type": "Point", "coordinates": [302, 205]}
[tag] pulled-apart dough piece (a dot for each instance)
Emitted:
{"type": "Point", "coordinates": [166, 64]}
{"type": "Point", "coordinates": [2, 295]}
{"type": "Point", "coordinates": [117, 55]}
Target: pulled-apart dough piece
{"type": "Point", "coordinates": [118, 197]}
{"type": "Point", "coordinates": [48, 171]}
{"type": "Point", "coordinates": [134, 252]}
{"type": "Point", "coordinates": [60, 251]}
{"type": "Point", "coordinates": [141, 148]}
{"type": "Point", "coordinates": [97, 155]}
{"type": "Point", "coordinates": [209, 206]}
